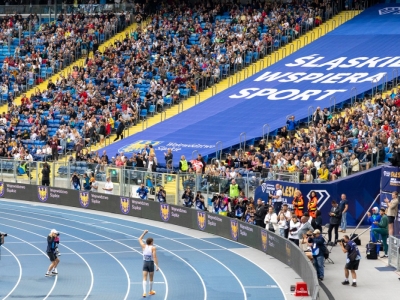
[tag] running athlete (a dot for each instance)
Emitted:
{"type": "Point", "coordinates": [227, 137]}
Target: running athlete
{"type": "Point", "coordinates": [149, 260]}
{"type": "Point", "coordinates": [51, 252]}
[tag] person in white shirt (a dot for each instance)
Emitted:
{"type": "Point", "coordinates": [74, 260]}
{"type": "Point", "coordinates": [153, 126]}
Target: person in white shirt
{"type": "Point", "coordinates": [108, 187]}
{"type": "Point", "coordinates": [277, 199]}
{"type": "Point", "coordinates": [271, 220]}
{"type": "Point", "coordinates": [294, 226]}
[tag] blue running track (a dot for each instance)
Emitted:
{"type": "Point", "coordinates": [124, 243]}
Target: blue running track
{"type": "Point", "coordinates": [101, 259]}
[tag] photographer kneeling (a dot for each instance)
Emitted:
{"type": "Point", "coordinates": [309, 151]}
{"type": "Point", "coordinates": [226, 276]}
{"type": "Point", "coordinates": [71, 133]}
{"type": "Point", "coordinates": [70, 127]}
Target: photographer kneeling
{"type": "Point", "coordinates": [316, 242]}
{"type": "Point", "coordinates": [353, 259]}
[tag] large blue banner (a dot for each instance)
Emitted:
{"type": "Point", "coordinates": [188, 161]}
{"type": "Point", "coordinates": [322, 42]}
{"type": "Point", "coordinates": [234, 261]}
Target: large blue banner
{"type": "Point", "coordinates": [360, 189]}
{"type": "Point", "coordinates": [347, 61]}
{"type": "Point", "coordinates": [390, 179]}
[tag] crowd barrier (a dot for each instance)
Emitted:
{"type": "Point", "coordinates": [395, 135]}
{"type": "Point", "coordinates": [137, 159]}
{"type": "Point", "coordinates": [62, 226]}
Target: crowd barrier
{"type": "Point", "coordinates": [232, 229]}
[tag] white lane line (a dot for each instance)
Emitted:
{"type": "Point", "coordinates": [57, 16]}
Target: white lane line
{"type": "Point", "coordinates": [197, 273]}
{"type": "Point", "coordinates": [20, 272]}
{"type": "Point", "coordinates": [154, 282]}
{"type": "Point", "coordinates": [55, 277]}
{"type": "Point", "coordinates": [91, 285]}
{"type": "Point", "coordinates": [126, 272]}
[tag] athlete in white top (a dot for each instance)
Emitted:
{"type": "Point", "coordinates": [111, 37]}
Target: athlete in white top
{"type": "Point", "coordinates": [149, 260]}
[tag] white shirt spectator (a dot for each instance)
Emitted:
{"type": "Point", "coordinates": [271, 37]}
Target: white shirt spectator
{"type": "Point", "coordinates": [109, 186]}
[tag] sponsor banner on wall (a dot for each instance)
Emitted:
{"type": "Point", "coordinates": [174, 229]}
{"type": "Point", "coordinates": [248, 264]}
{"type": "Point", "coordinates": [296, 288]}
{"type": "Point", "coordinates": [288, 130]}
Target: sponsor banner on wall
{"type": "Point", "coordinates": [16, 191]}
{"type": "Point", "coordinates": [249, 235]}
{"type": "Point", "coordinates": [52, 195]}
{"type": "Point", "coordinates": [390, 179]}
{"type": "Point", "coordinates": [216, 224]}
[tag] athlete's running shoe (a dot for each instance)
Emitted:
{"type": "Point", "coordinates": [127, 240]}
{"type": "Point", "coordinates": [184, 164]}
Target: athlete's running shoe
{"type": "Point", "coordinates": [152, 293]}
{"type": "Point", "coordinates": [144, 295]}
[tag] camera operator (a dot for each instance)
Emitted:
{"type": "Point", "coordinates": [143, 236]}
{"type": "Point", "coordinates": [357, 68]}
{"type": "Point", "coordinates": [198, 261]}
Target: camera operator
{"type": "Point", "coordinates": [353, 259]}
{"type": "Point", "coordinates": [2, 235]}
{"type": "Point", "coordinates": [199, 201]}
{"type": "Point", "coordinates": [51, 252]}
{"type": "Point", "coordinates": [161, 195]}
{"type": "Point", "coordinates": [188, 197]}
{"type": "Point", "coordinates": [240, 208]}
{"type": "Point", "coordinates": [316, 242]}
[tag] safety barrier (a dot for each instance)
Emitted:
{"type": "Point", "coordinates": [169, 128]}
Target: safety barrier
{"type": "Point", "coordinates": [231, 229]}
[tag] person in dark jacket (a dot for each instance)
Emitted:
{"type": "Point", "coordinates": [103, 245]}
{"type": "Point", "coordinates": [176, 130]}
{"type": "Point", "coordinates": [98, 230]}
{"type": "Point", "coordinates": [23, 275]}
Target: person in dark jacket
{"type": "Point", "coordinates": [316, 242]}
{"type": "Point", "coordinates": [51, 252]}
{"type": "Point", "coordinates": [45, 174]}
{"type": "Point", "coordinates": [120, 129]}
{"type": "Point", "coordinates": [261, 211]}
{"type": "Point", "coordinates": [334, 222]}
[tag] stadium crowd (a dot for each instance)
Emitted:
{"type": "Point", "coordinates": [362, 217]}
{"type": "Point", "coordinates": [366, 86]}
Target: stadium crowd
{"type": "Point", "coordinates": [29, 57]}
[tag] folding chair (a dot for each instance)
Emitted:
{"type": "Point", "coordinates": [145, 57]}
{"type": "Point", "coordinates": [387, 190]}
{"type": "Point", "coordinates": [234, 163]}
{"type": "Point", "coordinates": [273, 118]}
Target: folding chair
{"type": "Point", "coordinates": [328, 247]}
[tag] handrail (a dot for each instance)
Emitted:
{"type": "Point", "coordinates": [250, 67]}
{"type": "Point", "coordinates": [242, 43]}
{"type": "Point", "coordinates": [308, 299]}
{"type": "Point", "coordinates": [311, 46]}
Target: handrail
{"type": "Point", "coordinates": [326, 28]}
{"type": "Point", "coordinates": [197, 97]}
{"type": "Point", "coordinates": [276, 53]}
{"type": "Point", "coordinates": [310, 108]}
{"type": "Point", "coordinates": [332, 99]}
{"type": "Point", "coordinates": [319, 32]}
{"type": "Point", "coordinates": [297, 44]}
{"type": "Point", "coordinates": [253, 69]}
{"type": "Point", "coordinates": [373, 87]}
{"type": "Point", "coordinates": [245, 73]}
{"type": "Point", "coordinates": [395, 71]}
{"type": "Point", "coordinates": [312, 35]}
{"type": "Point", "coordinates": [262, 64]}
{"type": "Point", "coordinates": [263, 131]}
{"type": "Point", "coordinates": [163, 114]}
{"type": "Point", "coordinates": [219, 143]}
{"type": "Point", "coordinates": [180, 105]}
{"type": "Point", "coordinates": [194, 154]}
{"type": "Point", "coordinates": [144, 123]}
{"type": "Point", "coordinates": [268, 58]}
{"type": "Point", "coordinates": [340, 20]}
{"type": "Point", "coordinates": [283, 51]}
{"type": "Point", "coordinates": [238, 74]}
{"type": "Point", "coordinates": [333, 24]}
{"type": "Point", "coordinates": [230, 83]}
{"type": "Point", "coordinates": [291, 47]}
{"type": "Point", "coordinates": [351, 95]}
{"type": "Point", "coordinates": [242, 140]}
{"type": "Point", "coordinates": [384, 83]}
{"type": "Point", "coordinates": [213, 91]}
{"type": "Point", "coordinates": [305, 39]}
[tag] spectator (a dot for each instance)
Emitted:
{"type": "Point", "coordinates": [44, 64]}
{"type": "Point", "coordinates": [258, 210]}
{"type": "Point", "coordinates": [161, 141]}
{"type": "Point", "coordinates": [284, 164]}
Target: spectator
{"type": "Point", "coordinates": [199, 201]}
{"type": "Point", "coordinates": [277, 198]}
{"type": "Point", "coordinates": [271, 220]}
{"type": "Point", "coordinates": [109, 186]}
{"type": "Point", "coordinates": [392, 211]}
{"type": "Point", "coordinates": [294, 226]}
{"type": "Point", "coordinates": [304, 227]}
{"type": "Point", "coordinates": [188, 197]}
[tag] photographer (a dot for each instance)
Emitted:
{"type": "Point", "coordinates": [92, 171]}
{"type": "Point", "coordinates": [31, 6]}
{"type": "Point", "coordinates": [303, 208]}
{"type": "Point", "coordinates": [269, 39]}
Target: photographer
{"type": "Point", "coordinates": [316, 242]}
{"type": "Point", "coordinates": [161, 195]}
{"type": "Point", "coordinates": [188, 197]}
{"type": "Point", "coordinates": [142, 192]}
{"type": "Point", "coordinates": [2, 235]}
{"type": "Point", "coordinates": [199, 201]}
{"type": "Point", "coordinates": [353, 259]}
{"type": "Point", "coordinates": [51, 252]}
{"type": "Point", "coordinates": [75, 182]}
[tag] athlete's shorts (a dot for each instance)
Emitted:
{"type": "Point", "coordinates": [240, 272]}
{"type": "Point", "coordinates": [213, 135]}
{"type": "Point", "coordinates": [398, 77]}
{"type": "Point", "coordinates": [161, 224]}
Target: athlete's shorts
{"type": "Point", "coordinates": [52, 256]}
{"type": "Point", "coordinates": [148, 266]}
